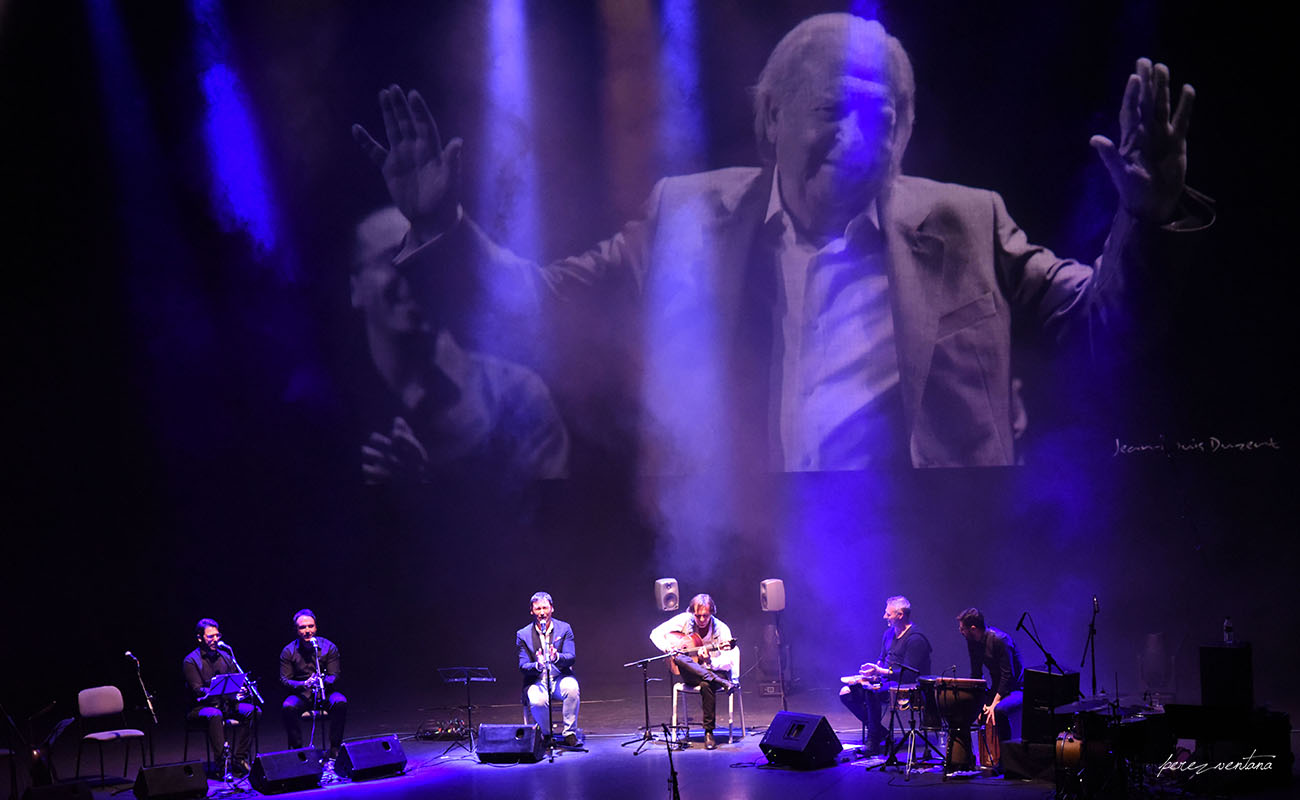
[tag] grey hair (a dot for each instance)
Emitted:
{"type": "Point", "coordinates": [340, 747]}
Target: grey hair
{"type": "Point", "coordinates": [784, 71]}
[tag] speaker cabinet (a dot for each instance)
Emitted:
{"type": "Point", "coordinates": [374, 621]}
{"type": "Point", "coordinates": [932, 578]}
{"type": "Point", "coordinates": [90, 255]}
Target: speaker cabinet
{"type": "Point", "coordinates": [667, 594]}
{"type": "Point", "coordinates": [1227, 678]}
{"type": "Point", "coordinates": [172, 781]}
{"type": "Point", "coordinates": [1043, 692]}
{"type": "Point", "coordinates": [371, 758]}
{"type": "Point", "coordinates": [505, 744]}
{"type": "Point", "coordinates": [771, 594]}
{"type": "Point", "coordinates": [287, 770]}
{"type": "Point", "coordinates": [802, 741]}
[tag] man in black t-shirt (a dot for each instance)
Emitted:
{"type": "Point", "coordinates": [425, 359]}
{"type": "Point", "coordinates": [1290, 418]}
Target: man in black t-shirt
{"type": "Point", "coordinates": [904, 655]}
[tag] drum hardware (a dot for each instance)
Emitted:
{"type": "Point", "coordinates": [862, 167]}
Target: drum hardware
{"type": "Point", "coordinates": [911, 699]}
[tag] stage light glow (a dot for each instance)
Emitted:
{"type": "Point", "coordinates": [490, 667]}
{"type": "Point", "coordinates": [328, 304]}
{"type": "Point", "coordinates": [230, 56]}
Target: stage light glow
{"type": "Point", "coordinates": [681, 121]}
{"type": "Point", "coordinates": [508, 166]}
{"type": "Point", "coordinates": [507, 191]}
{"type": "Point", "coordinates": [242, 194]}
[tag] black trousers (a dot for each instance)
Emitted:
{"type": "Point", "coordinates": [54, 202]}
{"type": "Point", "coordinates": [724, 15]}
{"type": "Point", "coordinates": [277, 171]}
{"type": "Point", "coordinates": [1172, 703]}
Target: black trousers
{"type": "Point", "coordinates": [867, 705]}
{"type": "Point", "coordinates": [337, 706]}
{"type": "Point", "coordinates": [215, 717]}
{"type": "Point", "coordinates": [693, 674]}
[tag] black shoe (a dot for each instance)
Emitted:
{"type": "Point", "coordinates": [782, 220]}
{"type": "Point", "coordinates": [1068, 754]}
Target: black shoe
{"type": "Point", "coordinates": [570, 740]}
{"type": "Point", "coordinates": [880, 747]}
{"type": "Point", "coordinates": [721, 684]}
{"type": "Point", "coordinates": [709, 742]}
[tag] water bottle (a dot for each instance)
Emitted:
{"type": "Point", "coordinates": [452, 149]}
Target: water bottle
{"type": "Point", "coordinates": [1227, 630]}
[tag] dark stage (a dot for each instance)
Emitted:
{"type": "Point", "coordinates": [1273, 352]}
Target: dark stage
{"type": "Point", "coordinates": [607, 769]}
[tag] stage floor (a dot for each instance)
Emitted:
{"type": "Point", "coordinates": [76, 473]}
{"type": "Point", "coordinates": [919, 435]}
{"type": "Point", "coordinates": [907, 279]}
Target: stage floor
{"type": "Point", "coordinates": [605, 768]}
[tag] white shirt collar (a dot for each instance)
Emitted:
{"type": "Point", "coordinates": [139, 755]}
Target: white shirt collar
{"type": "Point", "coordinates": [776, 208]}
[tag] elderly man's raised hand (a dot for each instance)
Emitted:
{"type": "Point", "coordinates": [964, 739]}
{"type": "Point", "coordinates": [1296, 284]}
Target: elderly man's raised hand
{"type": "Point", "coordinates": [396, 458]}
{"type": "Point", "coordinates": [1149, 167]}
{"type": "Point", "coordinates": [423, 177]}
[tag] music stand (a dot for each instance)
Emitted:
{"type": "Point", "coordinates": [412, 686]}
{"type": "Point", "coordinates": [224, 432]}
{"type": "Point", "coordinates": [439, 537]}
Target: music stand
{"type": "Point", "coordinates": [467, 676]}
{"type": "Point", "coordinates": [227, 684]}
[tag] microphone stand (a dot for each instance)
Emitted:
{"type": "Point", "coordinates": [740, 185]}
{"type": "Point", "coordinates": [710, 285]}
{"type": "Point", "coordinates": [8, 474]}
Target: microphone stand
{"type": "Point", "coordinates": [252, 689]}
{"type": "Point", "coordinates": [148, 700]}
{"type": "Point", "coordinates": [1049, 659]}
{"type": "Point", "coordinates": [674, 792]}
{"type": "Point", "coordinates": [646, 736]}
{"type": "Point", "coordinates": [550, 712]}
{"type": "Point", "coordinates": [1090, 648]}
{"type": "Point", "coordinates": [317, 692]}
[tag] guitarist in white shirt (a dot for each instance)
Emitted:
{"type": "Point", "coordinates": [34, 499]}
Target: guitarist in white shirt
{"type": "Point", "coordinates": [703, 655]}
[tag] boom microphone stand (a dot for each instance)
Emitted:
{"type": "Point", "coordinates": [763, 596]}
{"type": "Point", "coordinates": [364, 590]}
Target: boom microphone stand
{"type": "Point", "coordinates": [1049, 660]}
{"type": "Point", "coordinates": [258, 702]}
{"type": "Point", "coordinates": [1090, 647]}
{"type": "Point", "coordinates": [646, 735]}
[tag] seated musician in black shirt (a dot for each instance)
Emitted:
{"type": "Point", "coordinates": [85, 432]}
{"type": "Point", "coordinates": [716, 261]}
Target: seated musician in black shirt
{"type": "Point", "coordinates": [310, 666]}
{"type": "Point", "coordinates": [904, 655]}
{"type": "Point", "coordinates": [994, 650]}
{"type": "Point", "coordinates": [208, 659]}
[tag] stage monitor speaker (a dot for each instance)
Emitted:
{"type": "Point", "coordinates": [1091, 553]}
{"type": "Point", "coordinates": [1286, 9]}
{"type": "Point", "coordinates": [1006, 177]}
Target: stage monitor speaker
{"type": "Point", "coordinates": [802, 741]}
{"type": "Point", "coordinates": [771, 594]}
{"type": "Point", "coordinates": [371, 758]}
{"type": "Point", "coordinates": [667, 595]}
{"type": "Point", "coordinates": [172, 781]}
{"type": "Point", "coordinates": [79, 790]}
{"type": "Point", "coordinates": [506, 744]}
{"type": "Point", "coordinates": [287, 771]}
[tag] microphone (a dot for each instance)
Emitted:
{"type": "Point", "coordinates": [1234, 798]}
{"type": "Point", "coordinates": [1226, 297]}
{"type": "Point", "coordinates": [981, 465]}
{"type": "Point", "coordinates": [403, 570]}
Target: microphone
{"type": "Point", "coordinates": [1021, 623]}
{"type": "Point", "coordinates": [224, 646]}
{"type": "Point", "coordinates": [1096, 609]}
{"type": "Point", "coordinates": [131, 656]}
{"type": "Point", "coordinates": [315, 644]}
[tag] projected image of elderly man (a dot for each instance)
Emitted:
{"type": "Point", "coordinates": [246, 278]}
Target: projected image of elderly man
{"type": "Point", "coordinates": [822, 311]}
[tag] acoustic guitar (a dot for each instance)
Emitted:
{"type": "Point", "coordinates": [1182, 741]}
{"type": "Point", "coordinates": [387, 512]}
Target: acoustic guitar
{"type": "Point", "coordinates": [690, 644]}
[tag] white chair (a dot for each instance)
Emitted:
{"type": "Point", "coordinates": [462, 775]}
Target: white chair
{"type": "Point", "coordinates": [105, 701]}
{"type": "Point", "coordinates": [680, 690]}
